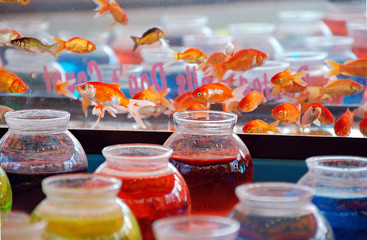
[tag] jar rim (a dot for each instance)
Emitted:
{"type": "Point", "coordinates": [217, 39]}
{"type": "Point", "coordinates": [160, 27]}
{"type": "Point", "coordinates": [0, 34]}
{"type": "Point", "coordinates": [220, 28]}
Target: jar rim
{"type": "Point", "coordinates": [80, 184]}
{"type": "Point", "coordinates": [301, 15]}
{"type": "Point", "coordinates": [301, 56]}
{"type": "Point", "coordinates": [286, 192]}
{"type": "Point", "coordinates": [227, 225]}
{"type": "Point", "coordinates": [128, 153]}
{"type": "Point", "coordinates": [328, 41]}
{"type": "Point", "coordinates": [318, 162]}
{"type": "Point", "coordinates": [229, 117]}
{"type": "Point", "coordinates": [38, 115]}
{"type": "Point", "coordinates": [258, 27]}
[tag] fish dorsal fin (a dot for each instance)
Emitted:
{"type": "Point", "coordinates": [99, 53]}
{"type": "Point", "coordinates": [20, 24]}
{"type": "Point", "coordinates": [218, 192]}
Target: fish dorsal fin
{"type": "Point", "coordinates": [113, 85]}
{"type": "Point", "coordinates": [149, 31]}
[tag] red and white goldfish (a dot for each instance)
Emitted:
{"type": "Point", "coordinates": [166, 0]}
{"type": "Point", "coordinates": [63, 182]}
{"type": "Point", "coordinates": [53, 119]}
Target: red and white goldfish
{"type": "Point", "coordinates": [34, 45]}
{"type": "Point", "coordinates": [7, 35]}
{"type": "Point", "coordinates": [344, 124]}
{"type": "Point", "coordinates": [363, 127]}
{"type": "Point", "coordinates": [151, 36]}
{"type": "Point", "coordinates": [251, 101]}
{"type": "Point", "coordinates": [286, 78]}
{"type": "Point", "coordinates": [191, 55]}
{"type": "Point", "coordinates": [76, 45]}
{"type": "Point", "coordinates": [186, 102]}
{"type": "Point", "coordinates": [109, 96]}
{"type": "Point", "coordinates": [150, 94]}
{"type": "Point", "coordinates": [11, 83]}
{"type": "Point", "coordinates": [118, 14]}
{"type": "Point", "coordinates": [311, 115]}
{"type": "Point", "coordinates": [259, 126]}
{"type": "Point", "coordinates": [17, 2]}
{"type": "Point", "coordinates": [214, 58]}
{"type": "Point", "coordinates": [242, 60]}
{"type": "Point", "coordinates": [352, 68]}
{"type": "Point", "coordinates": [287, 113]}
{"type": "Point", "coordinates": [218, 93]}
{"type": "Point", "coordinates": [326, 117]}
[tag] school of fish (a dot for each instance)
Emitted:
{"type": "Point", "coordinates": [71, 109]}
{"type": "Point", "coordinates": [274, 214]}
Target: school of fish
{"type": "Point", "coordinates": [308, 107]}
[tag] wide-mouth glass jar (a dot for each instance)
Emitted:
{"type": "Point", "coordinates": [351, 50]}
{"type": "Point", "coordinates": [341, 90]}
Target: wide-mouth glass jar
{"type": "Point", "coordinates": [85, 206]}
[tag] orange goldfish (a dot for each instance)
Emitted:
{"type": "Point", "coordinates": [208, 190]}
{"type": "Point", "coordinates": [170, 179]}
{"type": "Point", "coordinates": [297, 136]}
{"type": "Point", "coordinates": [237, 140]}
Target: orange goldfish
{"type": "Point", "coordinates": [290, 88]}
{"type": "Point", "coordinates": [311, 115]}
{"type": "Point", "coordinates": [7, 35]}
{"type": "Point", "coordinates": [109, 96]}
{"type": "Point", "coordinates": [259, 126]}
{"type": "Point", "coordinates": [63, 88]}
{"type": "Point", "coordinates": [191, 55]}
{"type": "Point", "coordinates": [151, 36]}
{"type": "Point", "coordinates": [150, 94]}
{"type": "Point", "coordinates": [344, 124]}
{"type": "Point", "coordinates": [17, 2]}
{"type": "Point", "coordinates": [231, 107]}
{"type": "Point", "coordinates": [363, 127]}
{"type": "Point", "coordinates": [34, 45]}
{"type": "Point", "coordinates": [251, 101]}
{"type": "Point", "coordinates": [186, 102]}
{"type": "Point", "coordinates": [218, 93]}
{"type": "Point", "coordinates": [287, 113]}
{"type": "Point", "coordinates": [326, 117]}
{"type": "Point", "coordinates": [242, 60]}
{"type": "Point", "coordinates": [341, 88]}
{"type": "Point", "coordinates": [11, 83]}
{"type": "Point", "coordinates": [76, 45]}
{"type": "Point", "coordinates": [352, 68]}
{"type": "Point", "coordinates": [215, 58]}
{"type": "Point", "coordinates": [286, 78]}
{"type": "Point", "coordinates": [114, 8]}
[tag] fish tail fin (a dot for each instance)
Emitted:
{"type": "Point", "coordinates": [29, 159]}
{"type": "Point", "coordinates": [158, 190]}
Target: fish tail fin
{"type": "Point", "coordinates": [297, 78]}
{"type": "Point", "coordinates": [272, 127]}
{"type": "Point", "coordinates": [66, 88]}
{"type": "Point", "coordinates": [202, 66]}
{"type": "Point", "coordinates": [103, 6]}
{"type": "Point", "coordinates": [262, 97]}
{"type": "Point", "coordinates": [133, 109]}
{"type": "Point", "coordinates": [112, 24]}
{"type": "Point", "coordinates": [136, 42]}
{"type": "Point", "coordinates": [52, 49]}
{"type": "Point", "coordinates": [238, 93]}
{"type": "Point", "coordinates": [218, 71]}
{"type": "Point", "coordinates": [162, 95]}
{"type": "Point", "coordinates": [85, 104]}
{"type": "Point", "coordinates": [62, 44]}
{"type": "Point", "coordinates": [171, 108]}
{"type": "Point", "coordinates": [335, 68]}
{"type": "Point", "coordinates": [276, 90]}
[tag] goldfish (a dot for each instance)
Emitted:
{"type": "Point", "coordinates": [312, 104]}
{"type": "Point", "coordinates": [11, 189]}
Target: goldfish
{"type": "Point", "coordinates": [341, 88]}
{"type": "Point", "coordinates": [7, 35]}
{"type": "Point", "coordinates": [17, 2]}
{"type": "Point", "coordinates": [286, 78]}
{"type": "Point", "coordinates": [352, 68]}
{"type": "Point", "coordinates": [3, 110]}
{"type": "Point", "coordinates": [290, 88]}
{"type": "Point", "coordinates": [251, 101]}
{"type": "Point", "coordinates": [214, 58]}
{"type": "Point", "coordinates": [344, 124]}
{"type": "Point", "coordinates": [218, 93]}
{"type": "Point", "coordinates": [186, 102]}
{"type": "Point", "coordinates": [311, 115]}
{"type": "Point", "coordinates": [76, 45]}
{"type": "Point", "coordinates": [191, 55]}
{"type": "Point", "coordinates": [11, 83]}
{"type": "Point", "coordinates": [242, 60]}
{"type": "Point", "coordinates": [109, 96]}
{"type": "Point", "coordinates": [151, 36]}
{"type": "Point", "coordinates": [230, 49]}
{"type": "Point", "coordinates": [287, 113]}
{"type": "Point", "coordinates": [114, 8]}
{"type": "Point", "coordinates": [66, 88]}
{"type": "Point", "coordinates": [150, 94]}
{"type": "Point", "coordinates": [363, 127]}
{"type": "Point", "coordinates": [231, 107]}
{"type": "Point", "coordinates": [326, 117]}
{"type": "Point", "coordinates": [259, 126]}
{"type": "Point", "coordinates": [34, 45]}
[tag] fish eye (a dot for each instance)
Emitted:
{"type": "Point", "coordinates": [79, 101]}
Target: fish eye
{"type": "Point", "coordinates": [280, 112]}
{"type": "Point", "coordinates": [84, 87]}
{"type": "Point", "coordinates": [345, 129]}
{"type": "Point", "coordinates": [22, 87]}
{"type": "Point", "coordinates": [199, 94]}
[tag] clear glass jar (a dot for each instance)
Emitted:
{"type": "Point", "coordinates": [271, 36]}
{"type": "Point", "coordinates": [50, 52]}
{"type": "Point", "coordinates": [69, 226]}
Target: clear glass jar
{"type": "Point", "coordinates": [37, 145]}
{"type": "Point", "coordinates": [357, 30]}
{"type": "Point", "coordinates": [276, 210]}
{"type": "Point", "coordinates": [211, 157]}
{"type": "Point", "coordinates": [18, 226]}
{"type": "Point", "coordinates": [152, 187]}
{"type": "Point", "coordinates": [85, 207]}
{"type": "Point", "coordinates": [177, 26]}
{"type": "Point", "coordinates": [208, 44]}
{"type": "Point", "coordinates": [295, 26]}
{"type": "Point", "coordinates": [6, 197]}
{"type": "Point", "coordinates": [256, 35]}
{"type": "Point", "coordinates": [340, 183]}
{"type": "Point", "coordinates": [196, 227]}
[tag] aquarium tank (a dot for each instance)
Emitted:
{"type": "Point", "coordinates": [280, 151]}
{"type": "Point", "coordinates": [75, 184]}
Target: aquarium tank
{"type": "Point", "coordinates": [293, 71]}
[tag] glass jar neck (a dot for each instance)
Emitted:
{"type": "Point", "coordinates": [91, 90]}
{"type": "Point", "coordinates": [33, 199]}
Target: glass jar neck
{"type": "Point", "coordinates": [205, 122]}
{"type": "Point", "coordinates": [37, 120]}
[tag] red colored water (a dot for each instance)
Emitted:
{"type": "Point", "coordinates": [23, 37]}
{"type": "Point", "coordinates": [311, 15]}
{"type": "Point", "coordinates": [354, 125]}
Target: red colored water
{"type": "Point", "coordinates": [337, 27]}
{"type": "Point", "coordinates": [360, 51]}
{"type": "Point", "coordinates": [27, 189]}
{"type": "Point", "coordinates": [154, 197]}
{"type": "Point", "coordinates": [128, 56]}
{"type": "Point", "coordinates": [212, 182]}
